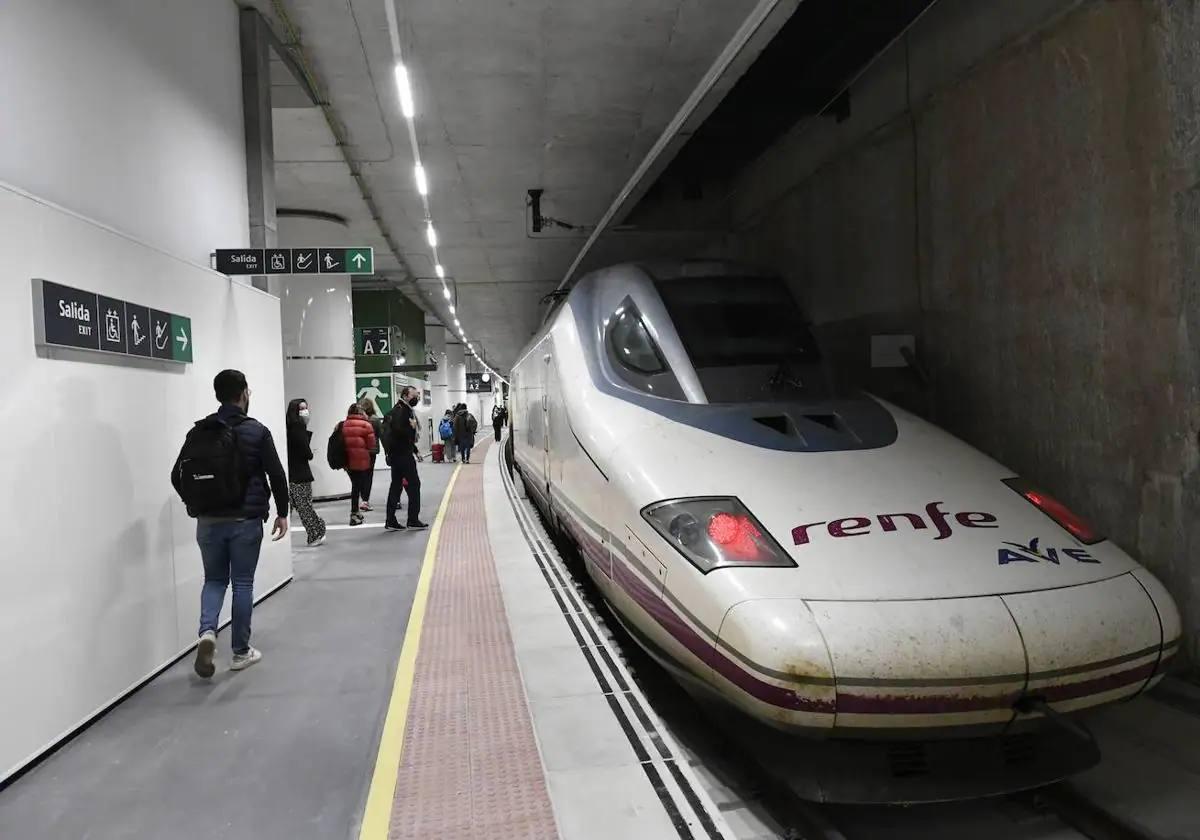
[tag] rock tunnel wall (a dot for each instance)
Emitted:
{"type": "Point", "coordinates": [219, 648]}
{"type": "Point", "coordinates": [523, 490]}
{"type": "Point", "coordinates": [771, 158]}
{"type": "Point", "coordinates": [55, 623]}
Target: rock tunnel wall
{"type": "Point", "coordinates": [1017, 186]}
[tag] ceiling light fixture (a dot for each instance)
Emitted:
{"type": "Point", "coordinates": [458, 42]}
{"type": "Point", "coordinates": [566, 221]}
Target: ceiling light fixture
{"type": "Point", "coordinates": [445, 293]}
{"type": "Point", "coordinates": [453, 311]}
{"type": "Point", "coordinates": [430, 235]}
{"type": "Point", "coordinates": [405, 89]}
{"type": "Point", "coordinates": [441, 272]}
{"type": "Point", "coordinates": [422, 182]}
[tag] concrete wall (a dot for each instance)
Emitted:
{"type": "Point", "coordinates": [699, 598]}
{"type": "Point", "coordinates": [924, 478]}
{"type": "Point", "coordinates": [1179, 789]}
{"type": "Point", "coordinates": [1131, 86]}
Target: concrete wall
{"type": "Point", "coordinates": [122, 140]}
{"type": "Point", "coordinates": [1034, 219]}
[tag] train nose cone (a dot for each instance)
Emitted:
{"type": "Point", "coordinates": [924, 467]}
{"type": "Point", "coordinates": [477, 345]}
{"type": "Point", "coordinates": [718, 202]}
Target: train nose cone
{"type": "Point", "coordinates": [1095, 643]}
{"type": "Point", "coordinates": [947, 666]}
{"type": "Point", "coordinates": [953, 662]}
{"type": "Point", "coordinates": [774, 664]}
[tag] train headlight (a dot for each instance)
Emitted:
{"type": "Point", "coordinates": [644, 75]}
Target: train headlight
{"type": "Point", "coordinates": [715, 532]}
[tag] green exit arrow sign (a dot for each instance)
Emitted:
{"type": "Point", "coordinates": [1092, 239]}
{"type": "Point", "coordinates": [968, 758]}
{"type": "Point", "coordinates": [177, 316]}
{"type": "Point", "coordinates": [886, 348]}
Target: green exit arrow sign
{"type": "Point", "coordinates": [181, 338]}
{"type": "Point", "coordinates": [360, 260]}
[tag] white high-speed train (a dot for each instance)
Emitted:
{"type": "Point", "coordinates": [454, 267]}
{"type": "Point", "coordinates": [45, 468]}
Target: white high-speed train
{"type": "Point", "coordinates": [823, 560]}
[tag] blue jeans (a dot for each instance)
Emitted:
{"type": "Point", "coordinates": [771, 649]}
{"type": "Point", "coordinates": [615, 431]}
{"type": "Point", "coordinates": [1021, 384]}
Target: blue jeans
{"type": "Point", "coordinates": [230, 552]}
{"type": "Point", "coordinates": [465, 450]}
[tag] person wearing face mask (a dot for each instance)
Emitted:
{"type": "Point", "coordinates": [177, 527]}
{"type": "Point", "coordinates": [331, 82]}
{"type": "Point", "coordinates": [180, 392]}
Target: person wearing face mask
{"type": "Point", "coordinates": [400, 426]}
{"type": "Point", "coordinates": [300, 477]}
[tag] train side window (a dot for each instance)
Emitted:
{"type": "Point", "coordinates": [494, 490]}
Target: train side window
{"type": "Point", "coordinates": [631, 344]}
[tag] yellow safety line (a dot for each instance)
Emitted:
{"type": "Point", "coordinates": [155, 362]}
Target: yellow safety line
{"type": "Point", "coordinates": [378, 812]}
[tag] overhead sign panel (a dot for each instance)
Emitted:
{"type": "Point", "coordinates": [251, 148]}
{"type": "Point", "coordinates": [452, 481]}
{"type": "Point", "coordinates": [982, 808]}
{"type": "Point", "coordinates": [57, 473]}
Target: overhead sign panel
{"type": "Point", "coordinates": [69, 317]}
{"type": "Point", "coordinates": [374, 341]}
{"type": "Point", "coordinates": [476, 385]}
{"type": "Point", "coordinates": [262, 261]}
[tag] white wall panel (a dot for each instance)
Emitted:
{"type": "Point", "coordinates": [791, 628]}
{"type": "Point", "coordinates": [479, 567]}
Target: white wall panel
{"type": "Point", "coordinates": [100, 574]}
{"type": "Point", "coordinates": [128, 112]}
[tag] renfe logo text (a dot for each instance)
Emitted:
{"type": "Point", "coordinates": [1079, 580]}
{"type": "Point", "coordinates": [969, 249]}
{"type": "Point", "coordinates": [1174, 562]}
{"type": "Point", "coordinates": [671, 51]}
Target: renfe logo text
{"type": "Point", "coordinates": [858, 526]}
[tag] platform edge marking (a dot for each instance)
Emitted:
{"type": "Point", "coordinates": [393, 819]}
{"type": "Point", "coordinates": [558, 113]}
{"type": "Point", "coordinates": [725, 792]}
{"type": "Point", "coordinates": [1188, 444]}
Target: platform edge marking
{"type": "Point", "coordinates": [382, 793]}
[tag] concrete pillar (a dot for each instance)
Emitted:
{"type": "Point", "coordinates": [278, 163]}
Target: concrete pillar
{"type": "Point", "coordinates": [318, 342]}
{"type": "Point", "coordinates": [260, 141]}
{"type": "Point", "coordinates": [456, 370]}
{"type": "Point", "coordinates": [435, 338]}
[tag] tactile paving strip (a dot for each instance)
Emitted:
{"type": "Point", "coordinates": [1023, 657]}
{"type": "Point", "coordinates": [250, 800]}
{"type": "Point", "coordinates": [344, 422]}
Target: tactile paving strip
{"type": "Point", "coordinates": [470, 766]}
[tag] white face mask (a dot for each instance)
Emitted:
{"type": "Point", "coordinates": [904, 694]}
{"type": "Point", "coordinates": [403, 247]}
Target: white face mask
{"type": "Point", "coordinates": [304, 414]}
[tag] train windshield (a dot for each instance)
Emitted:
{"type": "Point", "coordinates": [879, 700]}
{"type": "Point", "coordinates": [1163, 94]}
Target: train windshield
{"type": "Point", "coordinates": [746, 338]}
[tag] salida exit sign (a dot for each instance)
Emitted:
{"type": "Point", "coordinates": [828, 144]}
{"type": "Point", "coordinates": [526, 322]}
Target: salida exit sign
{"type": "Point", "coordinates": [68, 317]}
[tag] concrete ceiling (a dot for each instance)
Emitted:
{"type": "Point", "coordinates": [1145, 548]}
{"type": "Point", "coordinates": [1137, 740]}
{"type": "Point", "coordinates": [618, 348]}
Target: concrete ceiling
{"type": "Point", "coordinates": [561, 95]}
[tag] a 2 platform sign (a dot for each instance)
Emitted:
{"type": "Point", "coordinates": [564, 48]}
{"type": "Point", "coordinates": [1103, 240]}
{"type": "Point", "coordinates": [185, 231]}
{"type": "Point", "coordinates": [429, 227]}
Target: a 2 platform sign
{"type": "Point", "coordinates": [263, 261]}
{"type": "Point", "coordinates": [374, 341]}
{"type": "Point", "coordinates": [67, 317]}
{"type": "Point", "coordinates": [476, 385]}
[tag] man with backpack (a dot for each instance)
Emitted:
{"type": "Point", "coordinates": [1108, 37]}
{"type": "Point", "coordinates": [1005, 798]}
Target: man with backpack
{"type": "Point", "coordinates": [446, 433]}
{"type": "Point", "coordinates": [400, 431]}
{"type": "Point", "coordinates": [465, 426]}
{"type": "Point", "coordinates": [226, 474]}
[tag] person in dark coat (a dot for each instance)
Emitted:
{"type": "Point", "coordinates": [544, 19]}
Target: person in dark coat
{"type": "Point", "coordinates": [300, 477]}
{"type": "Point", "coordinates": [400, 427]}
{"type": "Point", "coordinates": [497, 420]}
{"type": "Point", "coordinates": [368, 407]}
{"type": "Point", "coordinates": [359, 437]}
{"type": "Point", "coordinates": [465, 426]}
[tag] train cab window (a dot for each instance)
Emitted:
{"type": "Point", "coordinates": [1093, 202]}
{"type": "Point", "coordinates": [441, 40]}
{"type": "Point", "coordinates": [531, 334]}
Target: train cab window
{"type": "Point", "coordinates": [746, 337]}
{"type": "Point", "coordinates": [632, 344]}
{"type": "Point", "coordinates": [635, 356]}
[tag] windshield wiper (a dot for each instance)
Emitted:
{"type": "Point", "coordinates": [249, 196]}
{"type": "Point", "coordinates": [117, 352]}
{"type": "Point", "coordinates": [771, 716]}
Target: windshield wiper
{"type": "Point", "coordinates": [782, 376]}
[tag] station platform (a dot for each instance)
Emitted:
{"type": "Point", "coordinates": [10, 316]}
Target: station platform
{"type": "Point", "coordinates": [438, 684]}
{"type": "Point", "coordinates": [457, 683]}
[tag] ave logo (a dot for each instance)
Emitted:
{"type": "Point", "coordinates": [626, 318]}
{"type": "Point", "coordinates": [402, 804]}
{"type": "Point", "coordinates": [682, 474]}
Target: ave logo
{"type": "Point", "coordinates": [1032, 553]}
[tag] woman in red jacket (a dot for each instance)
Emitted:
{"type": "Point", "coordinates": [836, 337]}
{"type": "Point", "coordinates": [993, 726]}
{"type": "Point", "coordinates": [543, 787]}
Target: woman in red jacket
{"type": "Point", "coordinates": [359, 437]}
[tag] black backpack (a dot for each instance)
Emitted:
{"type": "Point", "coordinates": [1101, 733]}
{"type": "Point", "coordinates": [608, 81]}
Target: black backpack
{"type": "Point", "coordinates": [335, 450]}
{"type": "Point", "coordinates": [210, 472]}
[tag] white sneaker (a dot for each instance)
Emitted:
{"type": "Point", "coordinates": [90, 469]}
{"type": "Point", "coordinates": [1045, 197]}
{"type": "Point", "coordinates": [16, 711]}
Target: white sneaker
{"type": "Point", "coordinates": [241, 661]}
{"type": "Point", "coordinates": [206, 648]}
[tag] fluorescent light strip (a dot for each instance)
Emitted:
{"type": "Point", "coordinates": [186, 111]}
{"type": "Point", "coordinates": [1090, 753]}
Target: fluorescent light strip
{"type": "Point", "coordinates": [407, 107]}
{"type": "Point", "coordinates": [404, 87]}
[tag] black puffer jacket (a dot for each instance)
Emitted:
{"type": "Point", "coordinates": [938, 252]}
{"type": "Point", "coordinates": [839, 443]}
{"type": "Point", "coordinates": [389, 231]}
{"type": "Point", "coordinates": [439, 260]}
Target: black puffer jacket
{"type": "Point", "coordinates": [299, 452]}
{"type": "Point", "coordinates": [400, 432]}
{"type": "Point", "coordinates": [267, 477]}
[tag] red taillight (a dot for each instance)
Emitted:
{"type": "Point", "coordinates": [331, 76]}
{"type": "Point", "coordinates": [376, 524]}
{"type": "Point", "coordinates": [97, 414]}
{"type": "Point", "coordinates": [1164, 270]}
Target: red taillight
{"type": "Point", "coordinates": [1056, 510]}
{"type": "Point", "coordinates": [715, 532]}
{"type": "Point", "coordinates": [735, 533]}
{"type": "Point", "coordinates": [724, 528]}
